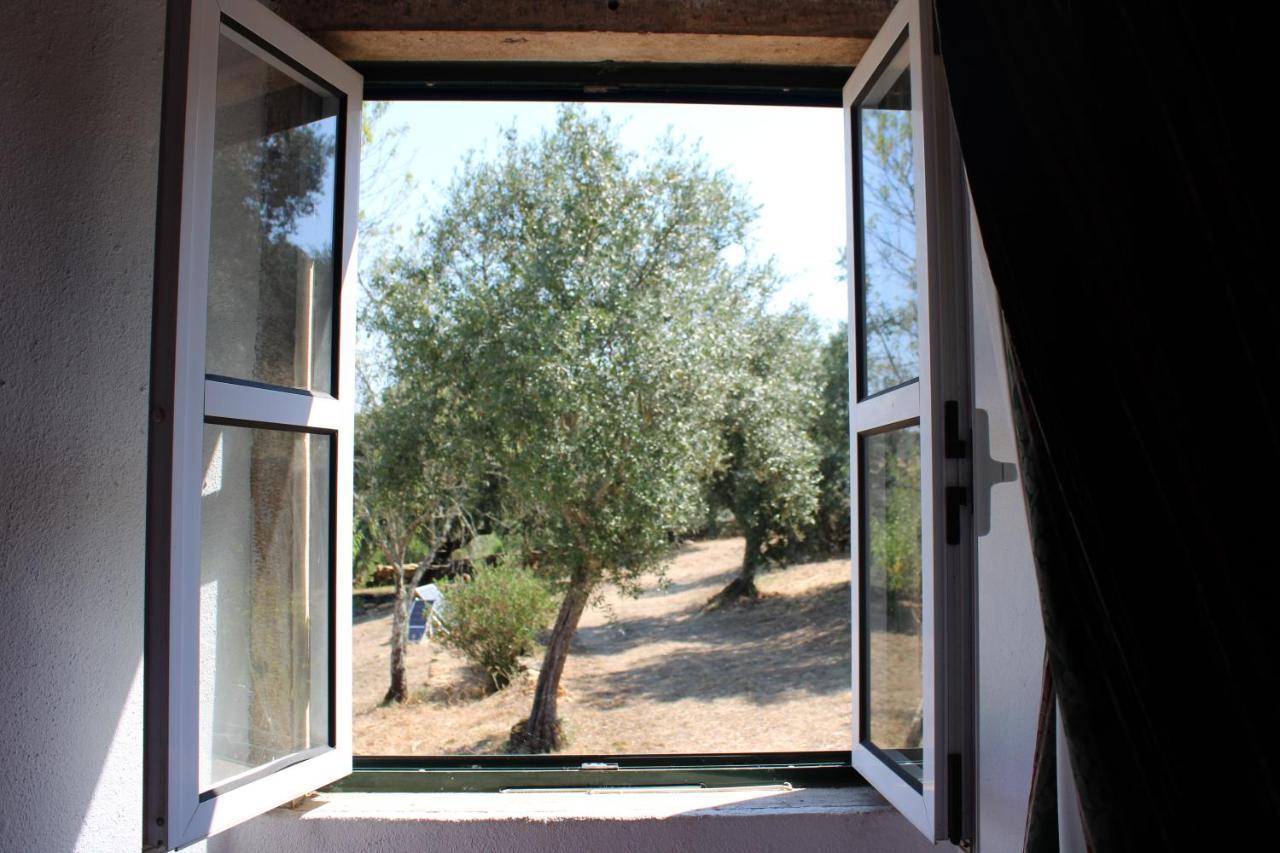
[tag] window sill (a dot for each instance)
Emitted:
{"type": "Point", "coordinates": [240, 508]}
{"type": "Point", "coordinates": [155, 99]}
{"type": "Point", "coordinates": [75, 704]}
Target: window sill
{"type": "Point", "coordinates": [756, 818]}
{"type": "Point", "coordinates": [602, 804]}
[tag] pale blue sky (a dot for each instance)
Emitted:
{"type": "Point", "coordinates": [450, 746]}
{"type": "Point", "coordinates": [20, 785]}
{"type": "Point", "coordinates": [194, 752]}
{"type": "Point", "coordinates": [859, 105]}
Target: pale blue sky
{"type": "Point", "coordinates": [790, 158]}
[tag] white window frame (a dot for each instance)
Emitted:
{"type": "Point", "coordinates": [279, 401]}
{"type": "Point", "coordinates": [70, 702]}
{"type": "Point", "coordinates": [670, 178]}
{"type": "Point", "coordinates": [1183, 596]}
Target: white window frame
{"type": "Point", "coordinates": [943, 806]}
{"type": "Point", "coordinates": [176, 812]}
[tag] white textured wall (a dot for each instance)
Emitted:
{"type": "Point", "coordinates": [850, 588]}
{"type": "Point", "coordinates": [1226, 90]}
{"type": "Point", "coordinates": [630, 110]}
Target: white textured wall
{"type": "Point", "coordinates": [1010, 630]}
{"type": "Point", "coordinates": [79, 123]}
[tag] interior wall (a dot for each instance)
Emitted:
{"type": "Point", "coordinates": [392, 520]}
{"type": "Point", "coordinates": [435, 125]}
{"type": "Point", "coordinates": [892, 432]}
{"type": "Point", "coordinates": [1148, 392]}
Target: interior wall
{"type": "Point", "coordinates": [80, 100]}
{"type": "Point", "coordinates": [1010, 631]}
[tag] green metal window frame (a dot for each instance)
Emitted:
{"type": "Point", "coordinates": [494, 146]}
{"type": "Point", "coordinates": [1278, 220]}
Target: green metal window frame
{"type": "Point", "coordinates": [618, 82]}
{"type": "Point", "coordinates": [802, 86]}
{"type": "Point", "coordinates": [499, 773]}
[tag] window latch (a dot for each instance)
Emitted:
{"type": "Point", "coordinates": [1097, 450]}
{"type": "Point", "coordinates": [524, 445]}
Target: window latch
{"type": "Point", "coordinates": [987, 472]}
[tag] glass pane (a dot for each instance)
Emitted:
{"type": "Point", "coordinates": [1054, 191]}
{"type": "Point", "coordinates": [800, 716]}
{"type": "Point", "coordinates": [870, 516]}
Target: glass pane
{"type": "Point", "coordinates": [264, 598]}
{"type": "Point", "coordinates": [271, 251]}
{"type": "Point", "coordinates": [887, 233]}
{"type": "Point", "coordinates": [893, 690]}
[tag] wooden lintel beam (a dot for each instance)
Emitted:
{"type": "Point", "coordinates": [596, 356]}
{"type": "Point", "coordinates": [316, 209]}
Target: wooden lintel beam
{"type": "Point", "coordinates": [798, 18]}
{"type": "Point", "coordinates": [542, 46]}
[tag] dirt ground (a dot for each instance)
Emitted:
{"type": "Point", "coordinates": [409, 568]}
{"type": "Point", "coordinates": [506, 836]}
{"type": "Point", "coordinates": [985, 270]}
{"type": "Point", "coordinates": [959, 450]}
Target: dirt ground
{"type": "Point", "coordinates": [654, 674]}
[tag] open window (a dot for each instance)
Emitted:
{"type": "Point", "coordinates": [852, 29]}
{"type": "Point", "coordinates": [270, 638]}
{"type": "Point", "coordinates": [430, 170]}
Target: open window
{"type": "Point", "coordinates": [248, 671]}
{"type": "Point", "coordinates": [909, 426]}
{"type": "Point", "coordinates": [249, 576]}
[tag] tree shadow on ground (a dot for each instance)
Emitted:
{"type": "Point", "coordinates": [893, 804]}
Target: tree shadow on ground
{"type": "Point", "coordinates": [747, 620]}
{"type": "Point", "coordinates": [474, 686]}
{"type": "Point", "coordinates": [618, 636]}
{"type": "Point", "coordinates": [714, 581]}
{"type": "Point", "coordinates": [371, 608]}
{"type": "Point", "coordinates": [766, 652]}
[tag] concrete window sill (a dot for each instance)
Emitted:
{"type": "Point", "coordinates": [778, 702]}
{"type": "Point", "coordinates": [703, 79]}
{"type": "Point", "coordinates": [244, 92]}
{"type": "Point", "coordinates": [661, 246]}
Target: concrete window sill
{"type": "Point", "coordinates": [741, 819]}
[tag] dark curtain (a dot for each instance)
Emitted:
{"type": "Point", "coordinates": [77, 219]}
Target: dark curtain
{"type": "Point", "coordinates": [1042, 803]}
{"type": "Point", "coordinates": [1118, 156]}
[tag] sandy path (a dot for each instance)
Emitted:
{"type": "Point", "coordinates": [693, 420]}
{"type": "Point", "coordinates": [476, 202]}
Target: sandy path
{"type": "Point", "coordinates": [651, 674]}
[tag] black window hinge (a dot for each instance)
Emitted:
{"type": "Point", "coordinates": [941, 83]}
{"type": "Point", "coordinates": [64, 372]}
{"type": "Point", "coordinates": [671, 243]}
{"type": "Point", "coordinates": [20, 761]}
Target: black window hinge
{"type": "Point", "coordinates": [955, 800]}
{"type": "Point", "coordinates": [957, 497]}
{"type": "Point", "coordinates": [954, 447]}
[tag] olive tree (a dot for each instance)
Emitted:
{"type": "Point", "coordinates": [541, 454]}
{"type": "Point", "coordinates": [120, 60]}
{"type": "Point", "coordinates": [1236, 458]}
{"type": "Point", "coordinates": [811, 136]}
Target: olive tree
{"type": "Point", "coordinates": [768, 473]}
{"type": "Point", "coordinates": [830, 431]}
{"type": "Point", "coordinates": [579, 292]}
{"type": "Point", "coordinates": [414, 485]}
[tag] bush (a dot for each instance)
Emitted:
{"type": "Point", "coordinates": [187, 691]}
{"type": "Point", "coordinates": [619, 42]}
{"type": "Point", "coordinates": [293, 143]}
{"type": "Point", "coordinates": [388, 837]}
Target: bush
{"type": "Point", "coordinates": [494, 617]}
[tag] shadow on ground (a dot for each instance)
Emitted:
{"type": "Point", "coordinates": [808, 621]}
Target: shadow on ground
{"type": "Point", "coordinates": [775, 648]}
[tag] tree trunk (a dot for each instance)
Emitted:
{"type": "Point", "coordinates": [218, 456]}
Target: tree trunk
{"type": "Point", "coordinates": [399, 689]}
{"type": "Point", "coordinates": [742, 587]}
{"type": "Point", "coordinates": [541, 732]}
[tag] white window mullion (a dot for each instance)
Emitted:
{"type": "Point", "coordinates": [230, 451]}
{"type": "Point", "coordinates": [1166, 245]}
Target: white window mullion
{"type": "Point", "coordinates": [253, 404]}
{"type": "Point", "coordinates": [899, 405]}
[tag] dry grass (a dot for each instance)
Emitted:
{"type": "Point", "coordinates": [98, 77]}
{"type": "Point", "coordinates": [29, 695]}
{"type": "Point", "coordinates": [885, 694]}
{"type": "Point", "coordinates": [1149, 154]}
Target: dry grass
{"type": "Point", "coordinates": [655, 674]}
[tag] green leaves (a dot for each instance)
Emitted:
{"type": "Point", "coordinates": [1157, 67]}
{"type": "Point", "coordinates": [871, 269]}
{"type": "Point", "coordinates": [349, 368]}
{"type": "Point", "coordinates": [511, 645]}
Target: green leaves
{"type": "Point", "coordinates": [768, 473]}
{"type": "Point", "coordinates": [495, 616]}
{"type": "Point", "coordinates": [575, 307]}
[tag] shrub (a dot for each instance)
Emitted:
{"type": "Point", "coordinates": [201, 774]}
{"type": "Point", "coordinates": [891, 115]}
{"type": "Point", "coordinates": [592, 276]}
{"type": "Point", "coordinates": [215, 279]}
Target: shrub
{"type": "Point", "coordinates": [494, 617]}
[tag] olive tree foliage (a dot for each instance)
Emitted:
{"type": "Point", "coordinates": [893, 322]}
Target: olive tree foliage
{"type": "Point", "coordinates": [414, 469]}
{"type": "Point", "coordinates": [768, 474]}
{"type": "Point", "coordinates": [578, 294]}
{"type": "Point", "coordinates": [386, 191]}
{"type": "Point", "coordinates": [413, 485]}
{"type": "Point", "coordinates": [830, 431]}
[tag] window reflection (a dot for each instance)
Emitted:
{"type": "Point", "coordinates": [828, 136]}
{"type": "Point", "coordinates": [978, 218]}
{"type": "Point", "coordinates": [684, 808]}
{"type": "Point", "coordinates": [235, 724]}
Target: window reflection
{"type": "Point", "coordinates": [887, 262]}
{"type": "Point", "coordinates": [271, 250]}
{"type": "Point", "coordinates": [891, 534]}
{"type": "Point", "coordinates": [264, 598]}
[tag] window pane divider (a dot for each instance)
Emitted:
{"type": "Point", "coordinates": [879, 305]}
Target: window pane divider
{"type": "Point", "coordinates": [897, 406]}
{"type": "Point", "coordinates": [252, 404]}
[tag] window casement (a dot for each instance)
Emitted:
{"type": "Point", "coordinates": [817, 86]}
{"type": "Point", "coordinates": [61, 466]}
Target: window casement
{"type": "Point", "coordinates": [249, 613]}
{"type": "Point", "coordinates": [250, 470]}
{"type": "Point", "coordinates": [909, 424]}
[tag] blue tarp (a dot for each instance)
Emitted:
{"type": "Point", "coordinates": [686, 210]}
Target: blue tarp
{"type": "Point", "coordinates": [424, 616]}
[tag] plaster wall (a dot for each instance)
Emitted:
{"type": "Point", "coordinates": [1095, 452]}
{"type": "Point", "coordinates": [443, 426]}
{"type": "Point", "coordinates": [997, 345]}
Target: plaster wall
{"type": "Point", "coordinates": [1010, 632]}
{"type": "Point", "coordinates": [79, 132]}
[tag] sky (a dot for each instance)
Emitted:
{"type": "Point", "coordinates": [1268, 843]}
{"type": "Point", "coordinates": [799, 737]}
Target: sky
{"type": "Point", "coordinates": [791, 159]}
